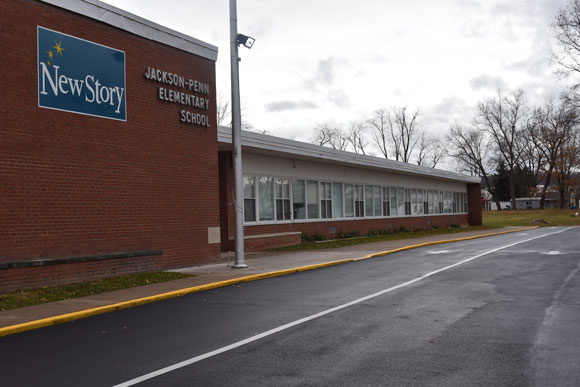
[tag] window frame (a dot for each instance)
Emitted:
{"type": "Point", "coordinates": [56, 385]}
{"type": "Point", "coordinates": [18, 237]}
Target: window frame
{"type": "Point", "coordinates": [365, 202]}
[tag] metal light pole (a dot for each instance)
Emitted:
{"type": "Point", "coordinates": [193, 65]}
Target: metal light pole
{"type": "Point", "coordinates": [236, 139]}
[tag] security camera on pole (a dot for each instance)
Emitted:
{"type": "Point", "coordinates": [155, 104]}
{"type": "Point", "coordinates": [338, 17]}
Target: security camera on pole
{"type": "Point", "coordinates": [235, 40]}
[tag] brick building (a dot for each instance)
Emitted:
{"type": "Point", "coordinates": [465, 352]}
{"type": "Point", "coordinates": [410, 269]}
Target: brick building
{"type": "Point", "coordinates": [292, 188]}
{"type": "Point", "coordinates": [111, 161]}
{"type": "Point", "coordinates": [86, 193]}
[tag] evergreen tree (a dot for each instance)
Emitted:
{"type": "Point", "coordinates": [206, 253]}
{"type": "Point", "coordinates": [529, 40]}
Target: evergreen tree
{"type": "Point", "coordinates": [501, 182]}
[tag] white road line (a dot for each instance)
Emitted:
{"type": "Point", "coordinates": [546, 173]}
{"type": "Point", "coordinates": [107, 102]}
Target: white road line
{"type": "Point", "coordinates": [259, 336]}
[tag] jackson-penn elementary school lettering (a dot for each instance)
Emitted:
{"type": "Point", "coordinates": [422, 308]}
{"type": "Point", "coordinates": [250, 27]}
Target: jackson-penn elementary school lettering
{"type": "Point", "coordinates": [185, 98]}
{"type": "Point", "coordinates": [80, 76]}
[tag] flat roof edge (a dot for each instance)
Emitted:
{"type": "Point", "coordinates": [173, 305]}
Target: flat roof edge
{"type": "Point", "coordinates": [283, 145]}
{"type": "Point", "coordinates": [134, 24]}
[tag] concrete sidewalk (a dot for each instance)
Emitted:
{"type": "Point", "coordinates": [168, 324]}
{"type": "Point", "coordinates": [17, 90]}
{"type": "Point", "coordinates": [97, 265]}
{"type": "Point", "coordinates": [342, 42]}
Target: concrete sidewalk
{"type": "Point", "coordinates": [209, 274]}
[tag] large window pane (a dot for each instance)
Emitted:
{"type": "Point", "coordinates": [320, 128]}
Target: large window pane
{"type": "Point", "coordinates": [299, 199]}
{"type": "Point", "coordinates": [266, 198]}
{"type": "Point", "coordinates": [414, 210]}
{"type": "Point", "coordinates": [377, 201]}
{"type": "Point", "coordinates": [386, 202]}
{"type": "Point", "coordinates": [368, 200]}
{"type": "Point", "coordinates": [249, 199]}
{"type": "Point", "coordinates": [407, 202]}
{"type": "Point", "coordinates": [348, 200]}
{"type": "Point", "coordinates": [337, 200]}
{"type": "Point", "coordinates": [359, 201]}
{"type": "Point", "coordinates": [394, 211]}
{"type": "Point", "coordinates": [282, 199]}
{"type": "Point", "coordinates": [401, 201]}
{"type": "Point", "coordinates": [325, 200]}
{"type": "Point", "coordinates": [447, 202]}
{"type": "Point", "coordinates": [312, 199]}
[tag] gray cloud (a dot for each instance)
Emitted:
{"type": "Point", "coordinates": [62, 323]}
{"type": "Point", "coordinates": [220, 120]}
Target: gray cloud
{"type": "Point", "coordinates": [338, 97]}
{"type": "Point", "coordinates": [485, 81]}
{"type": "Point", "coordinates": [469, 4]}
{"type": "Point", "coordinates": [438, 117]}
{"type": "Point", "coordinates": [279, 106]}
{"type": "Point", "coordinates": [473, 29]}
{"type": "Point", "coordinates": [325, 73]}
{"type": "Point", "coordinates": [323, 83]}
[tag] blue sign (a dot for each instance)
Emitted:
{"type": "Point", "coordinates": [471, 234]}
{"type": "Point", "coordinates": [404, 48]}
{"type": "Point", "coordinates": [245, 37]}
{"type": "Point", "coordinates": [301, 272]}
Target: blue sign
{"type": "Point", "coordinates": [79, 76]}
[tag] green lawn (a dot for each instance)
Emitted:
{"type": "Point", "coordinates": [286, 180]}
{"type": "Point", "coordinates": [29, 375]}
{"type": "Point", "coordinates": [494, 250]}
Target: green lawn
{"type": "Point", "coordinates": [56, 293]}
{"type": "Point", "coordinates": [554, 217]}
{"type": "Point", "coordinates": [375, 238]}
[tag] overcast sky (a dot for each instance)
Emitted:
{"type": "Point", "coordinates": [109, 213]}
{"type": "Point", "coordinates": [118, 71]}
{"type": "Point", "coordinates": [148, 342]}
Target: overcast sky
{"type": "Point", "coordinates": [337, 61]}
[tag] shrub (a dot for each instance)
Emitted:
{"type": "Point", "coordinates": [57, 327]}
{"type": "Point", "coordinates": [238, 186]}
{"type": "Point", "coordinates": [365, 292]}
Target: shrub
{"type": "Point", "coordinates": [346, 235]}
{"type": "Point", "coordinates": [403, 229]}
{"type": "Point", "coordinates": [318, 236]}
{"type": "Point", "coordinates": [307, 238]}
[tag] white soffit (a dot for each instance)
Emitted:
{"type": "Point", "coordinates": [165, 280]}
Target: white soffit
{"type": "Point", "coordinates": [276, 146]}
{"type": "Point", "coordinates": [134, 24]}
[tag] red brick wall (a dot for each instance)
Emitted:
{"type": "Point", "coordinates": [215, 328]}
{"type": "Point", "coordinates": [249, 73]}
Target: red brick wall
{"type": "Point", "coordinates": [474, 204]}
{"type": "Point", "coordinates": [73, 184]}
{"type": "Point", "coordinates": [227, 215]}
{"type": "Point", "coordinates": [363, 225]}
{"type": "Point", "coordinates": [260, 244]}
{"type": "Point", "coordinates": [52, 275]}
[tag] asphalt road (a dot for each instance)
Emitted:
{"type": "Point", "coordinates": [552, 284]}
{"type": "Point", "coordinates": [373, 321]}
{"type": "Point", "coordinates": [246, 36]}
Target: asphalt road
{"type": "Point", "coordinates": [497, 311]}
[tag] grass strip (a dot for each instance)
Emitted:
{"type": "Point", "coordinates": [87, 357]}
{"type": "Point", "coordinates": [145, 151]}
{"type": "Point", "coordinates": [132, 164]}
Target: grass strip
{"type": "Point", "coordinates": [552, 217]}
{"type": "Point", "coordinates": [24, 298]}
{"type": "Point", "coordinates": [331, 244]}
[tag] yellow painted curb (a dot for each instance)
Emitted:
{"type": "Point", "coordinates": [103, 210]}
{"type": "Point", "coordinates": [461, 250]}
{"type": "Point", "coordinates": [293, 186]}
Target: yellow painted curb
{"type": "Point", "coordinates": [12, 329]}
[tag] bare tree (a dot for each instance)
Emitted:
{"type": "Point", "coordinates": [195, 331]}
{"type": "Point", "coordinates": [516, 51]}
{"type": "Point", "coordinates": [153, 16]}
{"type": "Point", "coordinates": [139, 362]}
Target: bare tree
{"type": "Point", "coordinates": [404, 133]}
{"type": "Point", "coordinates": [568, 162]}
{"type": "Point", "coordinates": [566, 53]}
{"type": "Point", "coordinates": [224, 116]}
{"type": "Point", "coordinates": [501, 117]}
{"type": "Point", "coordinates": [430, 150]}
{"type": "Point", "coordinates": [437, 153]}
{"type": "Point", "coordinates": [531, 159]}
{"type": "Point", "coordinates": [357, 138]}
{"type": "Point", "coordinates": [323, 134]}
{"type": "Point", "coordinates": [381, 125]}
{"type": "Point", "coordinates": [331, 136]}
{"type": "Point", "coordinates": [423, 148]}
{"type": "Point", "coordinates": [470, 147]}
{"type": "Point", "coordinates": [566, 28]}
{"type": "Point", "coordinates": [549, 131]}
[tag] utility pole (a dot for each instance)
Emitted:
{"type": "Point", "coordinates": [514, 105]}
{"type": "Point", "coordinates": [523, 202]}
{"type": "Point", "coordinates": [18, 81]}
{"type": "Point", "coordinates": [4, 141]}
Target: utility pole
{"type": "Point", "coordinates": [236, 139]}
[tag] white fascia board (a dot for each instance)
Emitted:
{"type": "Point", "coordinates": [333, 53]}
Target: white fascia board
{"type": "Point", "coordinates": [252, 141]}
{"type": "Point", "coordinates": [134, 24]}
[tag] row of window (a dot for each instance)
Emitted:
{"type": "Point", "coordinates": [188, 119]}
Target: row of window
{"type": "Point", "coordinates": [269, 198]}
